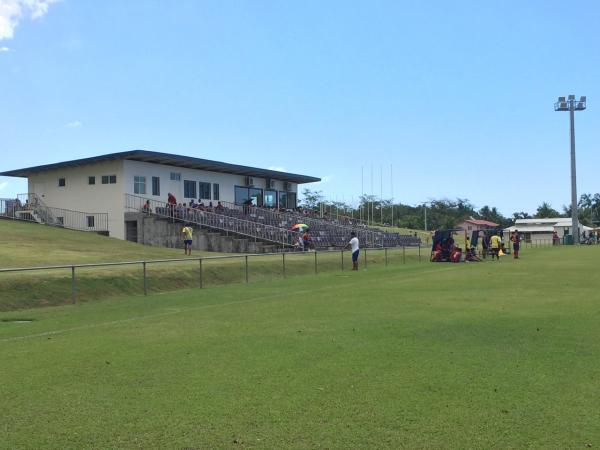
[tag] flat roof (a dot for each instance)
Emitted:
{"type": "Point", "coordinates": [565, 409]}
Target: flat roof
{"type": "Point", "coordinates": [170, 160]}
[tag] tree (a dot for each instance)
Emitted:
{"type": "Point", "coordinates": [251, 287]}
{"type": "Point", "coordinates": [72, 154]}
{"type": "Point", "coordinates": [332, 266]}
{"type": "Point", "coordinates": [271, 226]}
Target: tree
{"type": "Point", "coordinates": [545, 210]}
{"type": "Point", "coordinates": [521, 215]}
{"type": "Point", "coordinates": [312, 199]}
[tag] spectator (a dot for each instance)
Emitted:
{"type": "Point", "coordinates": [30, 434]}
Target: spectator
{"type": "Point", "coordinates": [307, 240]}
{"type": "Point", "coordinates": [516, 240]}
{"type": "Point", "coordinates": [354, 245]}
{"type": "Point", "coordinates": [555, 238]}
{"type": "Point", "coordinates": [220, 208]}
{"type": "Point", "coordinates": [187, 232]}
{"type": "Point", "coordinates": [146, 208]}
{"type": "Point", "coordinates": [495, 243]}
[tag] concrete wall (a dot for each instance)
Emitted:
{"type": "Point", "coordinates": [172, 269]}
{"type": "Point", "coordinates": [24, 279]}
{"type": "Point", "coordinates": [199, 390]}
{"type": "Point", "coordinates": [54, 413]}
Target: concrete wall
{"type": "Point", "coordinates": [164, 233]}
{"type": "Point", "coordinates": [226, 182]}
{"type": "Point", "coordinates": [79, 195]}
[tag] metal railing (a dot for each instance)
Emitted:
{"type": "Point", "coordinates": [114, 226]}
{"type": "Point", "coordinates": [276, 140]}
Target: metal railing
{"type": "Point", "coordinates": [370, 238]}
{"type": "Point", "coordinates": [212, 220]}
{"type": "Point", "coordinates": [314, 259]}
{"type": "Point", "coordinates": [30, 208]}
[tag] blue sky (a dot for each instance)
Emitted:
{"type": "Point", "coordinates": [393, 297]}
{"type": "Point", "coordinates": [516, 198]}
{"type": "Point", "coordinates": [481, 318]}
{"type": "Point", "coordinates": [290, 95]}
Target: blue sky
{"type": "Point", "coordinates": [457, 96]}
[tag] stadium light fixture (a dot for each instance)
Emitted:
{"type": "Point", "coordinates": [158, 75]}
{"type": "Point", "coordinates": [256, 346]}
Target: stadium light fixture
{"type": "Point", "coordinates": [572, 105]}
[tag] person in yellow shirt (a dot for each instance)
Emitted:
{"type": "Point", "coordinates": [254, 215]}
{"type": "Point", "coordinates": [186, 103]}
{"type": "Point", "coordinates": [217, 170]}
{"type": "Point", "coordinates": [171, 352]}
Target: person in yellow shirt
{"type": "Point", "coordinates": [495, 244]}
{"type": "Point", "coordinates": [187, 232]}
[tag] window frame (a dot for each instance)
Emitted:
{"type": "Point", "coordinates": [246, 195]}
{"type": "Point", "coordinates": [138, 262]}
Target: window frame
{"type": "Point", "coordinates": [156, 186]}
{"type": "Point", "coordinates": [91, 180]}
{"type": "Point", "coordinates": [186, 188]}
{"type": "Point", "coordinates": [204, 188]}
{"type": "Point", "coordinates": [139, 184]}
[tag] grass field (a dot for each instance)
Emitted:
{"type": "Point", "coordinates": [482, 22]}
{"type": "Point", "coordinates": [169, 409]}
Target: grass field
{"type": "Point", "coordinates": [489, 355]}
{"type": "Point", "coordinates": [29, 245]}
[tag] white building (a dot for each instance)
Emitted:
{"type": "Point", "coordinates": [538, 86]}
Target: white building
{"type": "Point", "coordinates": [100, 184]}
{"type": "Point", "coordinates": [542, 230]}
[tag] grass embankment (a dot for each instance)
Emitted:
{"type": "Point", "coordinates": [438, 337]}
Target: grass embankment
{"type": "Point", "coordinates": [490, 355]}
{"type": "Point", "coordinates": [29, 245]}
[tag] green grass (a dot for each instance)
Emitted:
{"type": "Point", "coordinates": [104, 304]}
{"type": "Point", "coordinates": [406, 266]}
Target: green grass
{"type": "Point", "coordinates": [489, 355]}
{"type": "Point", "coordinates": [34, 245]}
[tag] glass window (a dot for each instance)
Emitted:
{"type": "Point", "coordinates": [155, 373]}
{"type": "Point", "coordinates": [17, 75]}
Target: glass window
{"type": "Point", "coordinates": [291, 200]}
{"type": "Point", "coordinates": [189, 189]}
{"type": "Point", "coordinates": [175, 176]}
{"type": "Point", "coordinates": [112, 179]}
{"type": "Point", "coordinates": [282, 199]}
{"type": "Point", "coordinates": [91, 180]}
{"type": "Point", "coordinates": [241, 195]}
{"type": "Point", "coordinates": [62, 182]}
{"type": "Point", "coordinates": [270, 200]}
{"type": "Point", "coordinates": [104, 179]}
{"type": "Point", "coordinates": [256, 195]}
{"type": "Point", "coordinates": [139, 185]}
{"type": "Point", "coordinates": [155, 185]}
{"type": "Point", "coordinates": [90, 221]}
{"type": "Point", "coordinates": [216, 191]}
{"type": "Point", "coordinates": [204, 190]}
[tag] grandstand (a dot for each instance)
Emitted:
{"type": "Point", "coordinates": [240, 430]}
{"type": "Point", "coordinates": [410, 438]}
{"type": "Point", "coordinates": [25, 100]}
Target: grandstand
{"type": "Point", "coordinates": [271, 225]}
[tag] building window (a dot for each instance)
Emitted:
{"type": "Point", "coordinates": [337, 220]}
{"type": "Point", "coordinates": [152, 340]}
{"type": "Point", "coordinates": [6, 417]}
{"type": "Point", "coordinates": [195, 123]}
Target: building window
{"type": "Point", "coordinates": [175, 176]}
{"type": "Point", "coordinates": [91, 180]}
{"type": "Point", "coordinates": [189, 189]}
{"type": "Point", "coordinates": [270, 200]}
{"type": "Point", "coordinates": [109, 179]}
{"type": "Point", "coordinates": [256, 195]}
{"type": "Point", "coordinates": [204, 190]}
{"type": "Point", "coordinates": [139, 185]}
{"type": "Point", "coordinates": [241, 195]}
{"type": "Point", "coordinates": [155, 185]}
{"type": "Point", "coordinates": [62, 182]}
{"type": "Point", "coordinates": [282, 199]}
{"type": "Point", "coordinates": [291, 200]}
{"type": "Point", "coordinates": [90, 221]}
{"type": "Point", "coordinates": [216, 191]}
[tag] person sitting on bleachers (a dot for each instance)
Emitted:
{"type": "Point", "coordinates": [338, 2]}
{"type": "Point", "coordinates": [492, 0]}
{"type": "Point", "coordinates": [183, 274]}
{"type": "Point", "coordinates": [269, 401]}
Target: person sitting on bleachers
{"type": "Point", "coordinates": [219, 208]}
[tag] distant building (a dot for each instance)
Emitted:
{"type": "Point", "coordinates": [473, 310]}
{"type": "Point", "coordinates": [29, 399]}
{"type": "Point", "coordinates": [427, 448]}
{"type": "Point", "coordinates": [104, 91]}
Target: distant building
{"type": "Point", "coordinates": [476, 225]}
{"type": "Point", "coordinates": [542, 230]}
{"type": "Point", "coordinates": [101, 184]}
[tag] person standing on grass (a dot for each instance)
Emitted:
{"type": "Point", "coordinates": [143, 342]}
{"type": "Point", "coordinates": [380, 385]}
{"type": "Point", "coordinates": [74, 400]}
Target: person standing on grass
{"type": "Point", "coordinates": [495, 242]}
{"type": "Point", "coordinates": [355, 250]}
{"type": "Point", "coordinates": [516, 240]}
{"type": "Point", "coordinates": [187, 232]}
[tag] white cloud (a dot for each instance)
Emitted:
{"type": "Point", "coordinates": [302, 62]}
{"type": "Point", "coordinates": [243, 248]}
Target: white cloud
{"type": "Point", "coordinates": [13, 11]}
{"type": "Point", "coordinates": [74, 124]}
{"type": "Point", "coordinates": [277, 168]}
{"type": "Point", "coordinates": [3, 185]}
{"type": "Point", "coordinates": [5, 50]}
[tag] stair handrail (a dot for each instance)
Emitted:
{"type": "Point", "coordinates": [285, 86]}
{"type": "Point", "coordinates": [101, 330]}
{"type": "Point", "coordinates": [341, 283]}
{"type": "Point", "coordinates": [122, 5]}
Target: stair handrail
{"type": "Point", "coordinates": [212, 220]}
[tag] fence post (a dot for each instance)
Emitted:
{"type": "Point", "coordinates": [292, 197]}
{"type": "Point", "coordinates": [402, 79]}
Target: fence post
{"type": "Point", "coordinates": [342, 259]}
{"type": "Point", "coordinates": [386, 261]}
{"type": "Point", "coordinates": [246, 268]}
{"type": "Point", "coordinates": [419, 252]}
{"type": "Point", "coordinates": [283, 263]}
{"type": "Point", "coordinates": [315, 262]}
{"type": "Point", "coordinates": [365, 258]}
{"type": "Point", "coordinates": [145, 279]}
{"type": "Point", "coordinates": [200, 270]}
{"type": "Point", "coordinates": [73, 286]}
{"type": "Point", "coordinates": [403, 254]}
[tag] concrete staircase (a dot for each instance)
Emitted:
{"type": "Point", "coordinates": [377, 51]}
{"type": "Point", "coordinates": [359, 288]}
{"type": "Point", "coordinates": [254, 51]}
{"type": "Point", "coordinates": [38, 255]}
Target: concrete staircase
{"type": "Point", "coordinates": [161, 232]}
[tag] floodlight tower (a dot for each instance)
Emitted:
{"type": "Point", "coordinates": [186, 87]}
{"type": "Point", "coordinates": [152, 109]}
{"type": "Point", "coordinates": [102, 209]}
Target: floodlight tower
{"type": "Point", "coordinates": [572, 105]}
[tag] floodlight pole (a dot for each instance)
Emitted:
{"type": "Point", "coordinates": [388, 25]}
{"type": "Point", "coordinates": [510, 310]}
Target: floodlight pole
{"type": "Point", "coordinates": [574, 211]}
{"type": "Point", "coordinates": [572, 105]}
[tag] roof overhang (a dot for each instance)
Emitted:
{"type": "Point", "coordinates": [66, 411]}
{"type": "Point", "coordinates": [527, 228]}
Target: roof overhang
{"type": "Point", "coordinates": [169, 160]}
